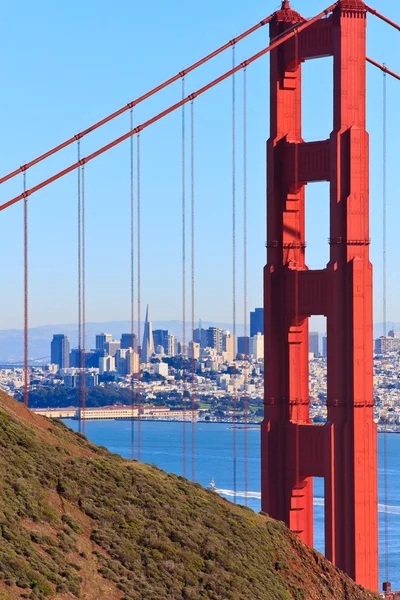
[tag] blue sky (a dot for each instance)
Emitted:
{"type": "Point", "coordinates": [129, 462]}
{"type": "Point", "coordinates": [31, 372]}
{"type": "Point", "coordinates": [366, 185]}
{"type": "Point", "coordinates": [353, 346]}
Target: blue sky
{"type": "Point", "coordinates": [66, 65]}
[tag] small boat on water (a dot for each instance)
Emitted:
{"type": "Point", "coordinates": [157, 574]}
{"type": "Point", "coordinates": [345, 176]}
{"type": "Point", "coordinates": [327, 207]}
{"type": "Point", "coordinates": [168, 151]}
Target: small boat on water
{"type": "Point", "coordinates": [212, 486]}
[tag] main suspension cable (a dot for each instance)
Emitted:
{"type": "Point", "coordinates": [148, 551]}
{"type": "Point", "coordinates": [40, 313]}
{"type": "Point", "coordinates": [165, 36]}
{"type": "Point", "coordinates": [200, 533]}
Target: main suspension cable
{"type": "Point", "coordinates": [26, 373]}
{"type": "Point", "coordinates": [234, 272]}
{"type": "Point", "coordinates": [183, 346]}
{"type": "Point", "coordinates": [169, 110]}
{"type": "Point", "coordinates": [132, 267]}
{"type": "Point", "coordinates": [246, 357]}
{"type": "Point", "coordinates": [192, 187]}
{"type": "Point", "coordinates": [382, 17]}
{"type": "Point", "coordinates": [134, 103]}
{"type": "Point", "coordinates": [383, 68]}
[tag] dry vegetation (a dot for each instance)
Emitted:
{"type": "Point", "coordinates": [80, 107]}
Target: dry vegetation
{"type": "Point", "coordinates": [79, 522]}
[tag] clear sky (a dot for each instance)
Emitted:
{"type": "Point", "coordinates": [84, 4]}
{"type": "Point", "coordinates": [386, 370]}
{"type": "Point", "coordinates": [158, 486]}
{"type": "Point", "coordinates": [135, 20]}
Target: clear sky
{"type": "Point", "coordinates": [66, 65]}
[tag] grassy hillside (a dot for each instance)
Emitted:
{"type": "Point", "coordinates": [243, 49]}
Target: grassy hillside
{"type": "Point", "coordinates": [79, 522]}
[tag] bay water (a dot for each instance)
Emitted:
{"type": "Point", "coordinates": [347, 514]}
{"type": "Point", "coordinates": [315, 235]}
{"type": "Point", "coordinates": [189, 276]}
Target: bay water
{"type": "Point", "coordinates": [161, 444]}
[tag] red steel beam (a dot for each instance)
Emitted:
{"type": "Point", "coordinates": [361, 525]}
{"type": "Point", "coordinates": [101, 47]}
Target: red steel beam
{"type": "Point", "coordinates": [377, 14]}
{"type": "Point", "coordinates": [383, 68]}
{"type": "Point", "coordinates": [169, 110]}
{"type": "Point", "coordinates": [133, 103]}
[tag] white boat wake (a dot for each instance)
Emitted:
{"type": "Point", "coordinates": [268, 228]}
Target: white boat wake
{"type": "Point", "coordinates": [382, 508]}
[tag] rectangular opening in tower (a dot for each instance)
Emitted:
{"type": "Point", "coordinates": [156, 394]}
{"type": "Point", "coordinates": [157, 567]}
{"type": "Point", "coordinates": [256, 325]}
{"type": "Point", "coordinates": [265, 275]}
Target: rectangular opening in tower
{"type": "Point", "coordinates": [317, 99]}
{"type": "Point", "coordinates": [319, 514]}
{"type": "Point", "coordinates": [317, 224]}
{"type": "Point", "coordinates": [317, 346]}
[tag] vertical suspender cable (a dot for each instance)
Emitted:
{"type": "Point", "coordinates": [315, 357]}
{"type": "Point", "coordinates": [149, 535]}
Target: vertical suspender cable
{"type": "Point", "coordinates": [26, 374]}
{"type": "Point", "coordinates": [132, 241]}
{"type": "Point", "coordinates": [183, 348]}
{"type": "Point", "coordinates": [234, 269]}
{"type": "Point", "coordinates": [246, 398]}
{"type": "Point", "coordinates": [83, 303]}
{"type": "Point", "coordinates": [297, 253]}
{"type": "Point", "coordinates": [192, 187]}
{"type": "Point", "coordinates": [138, 294]}
{"type": "Point", "coordinates": [384, 306]}
{"type": "Point", "coordinates": [79, 287]}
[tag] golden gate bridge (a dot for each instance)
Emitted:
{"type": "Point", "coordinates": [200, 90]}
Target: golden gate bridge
{"type": "Point", "coordinates": [344, 450]}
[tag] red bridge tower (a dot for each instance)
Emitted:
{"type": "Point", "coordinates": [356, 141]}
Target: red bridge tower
{"type": "Point", "coordinates": [344, 450]}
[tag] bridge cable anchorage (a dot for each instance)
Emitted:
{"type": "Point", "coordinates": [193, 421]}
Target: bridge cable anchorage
{"type": "Point", "coordinates": [138, 276]}
{"type": "Point", "coordinates": [192, 187]}
{"type": "Point", "coordinates": [79, 211]}
{"type": "Point", "coordinates": [26, 305]}
{"type": "Point", "coordinates": [165, 112]}
{"type": "Point", "coordinates": [384, 307]}
{"type": "Point", "coordinates": [382, 17]}
{"type": "Point", "coordinates": [183, 345]}
{"type": "Point", "coordinates": [83, 303]}
{"type": "Point", "coordinates": [137, 101]}
{"type": "Point", "coordinates": [234, 270]}
{"type": "Point", "coordinates": [132, 298]}
{"type": "Point", "coordinates": [246, 349]}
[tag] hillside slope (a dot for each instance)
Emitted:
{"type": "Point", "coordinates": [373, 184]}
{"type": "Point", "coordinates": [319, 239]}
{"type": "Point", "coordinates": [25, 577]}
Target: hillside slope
{"type": "Point", "coordinates": [79, 522]}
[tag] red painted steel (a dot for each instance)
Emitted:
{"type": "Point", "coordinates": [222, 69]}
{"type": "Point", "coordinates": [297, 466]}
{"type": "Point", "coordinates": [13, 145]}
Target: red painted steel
{"type": "Point", "coordinates": [380, 16]}
{"type": "Point", "coordinates": [383, 68]}
{"type": "Point", "coordinates": [344, 450]}
{"type": "Point", "coordinates": [133, 103]}
{"type": "Point", "coordinates": [166, 112]}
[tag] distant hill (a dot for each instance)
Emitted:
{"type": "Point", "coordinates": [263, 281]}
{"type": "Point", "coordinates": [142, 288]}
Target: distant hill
{"type": "Point", "coordinates": [79, 522]}
{"type": "Point", "coordinates": [12, 340]}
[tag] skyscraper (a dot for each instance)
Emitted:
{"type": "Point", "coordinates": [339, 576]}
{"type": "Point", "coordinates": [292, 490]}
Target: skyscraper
{"type": "Point", "coordinates": [325, 346]}
{"type": "Point", "coordinates": [101, 339]}
{"type": "Point", "coordinates": [313, 343]}
{"type": "Point", "coordinates": [160, 338]}
{"type": "Point", "coordinates": [172, 346]}
{"type": "Point", "coordinates": [257, 346]}
{"type": "Point", "coordinates": [214, 338]}
{"type": "Point", "coordinates": [111, 347]}
{"type": "Point", "coordinates": [200, 337]}
{"type": "Point", "coordinates": [257, 322]}
{"type": "Point", "coordinates": [243, 345]}
{"type": "Point", "coordinates": [60, 351]}
{"type": "Point", "coordinates": [126, 341]}
{"type": "Point", "coordinates": [148, 342]}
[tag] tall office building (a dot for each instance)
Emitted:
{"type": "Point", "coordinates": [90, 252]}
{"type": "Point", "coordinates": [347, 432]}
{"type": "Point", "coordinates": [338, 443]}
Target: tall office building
{"type": "Point", "coordinates": [257, 322]}
{"type": "Point", "coordinates": [313, 343]}
{"type": "Point", "coordinates": [200, 337]}
{"type": "Point", "coordinates": [172, 346]}
{"type": "Point", "coordinates": [325, 346]}
{"type": "Point", "coordinates": [148, 342]}
{"type": "Point", "coordinates": [60, 351]}
{"type": "Point", "coordinates": [228, 345]}
{"type": "Point", "coordinates": [126, 341]}
{"type": "Point", "coordinates": [101, 339]}
{"type": "Point", "coordinates": [111, 347]}
{"type": "Point", "coordinates": [106, 364]}
{"type": "Point", "coordinates": [214, 338]}
{"type": "Point", "coordinates": [92, 358]}
{"type": "Point", "coordinates": [160, 338]}
{"type": "Point", "coordinates": [257, 346]}
{"type": "Point", "coordinates": [243, 345]}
